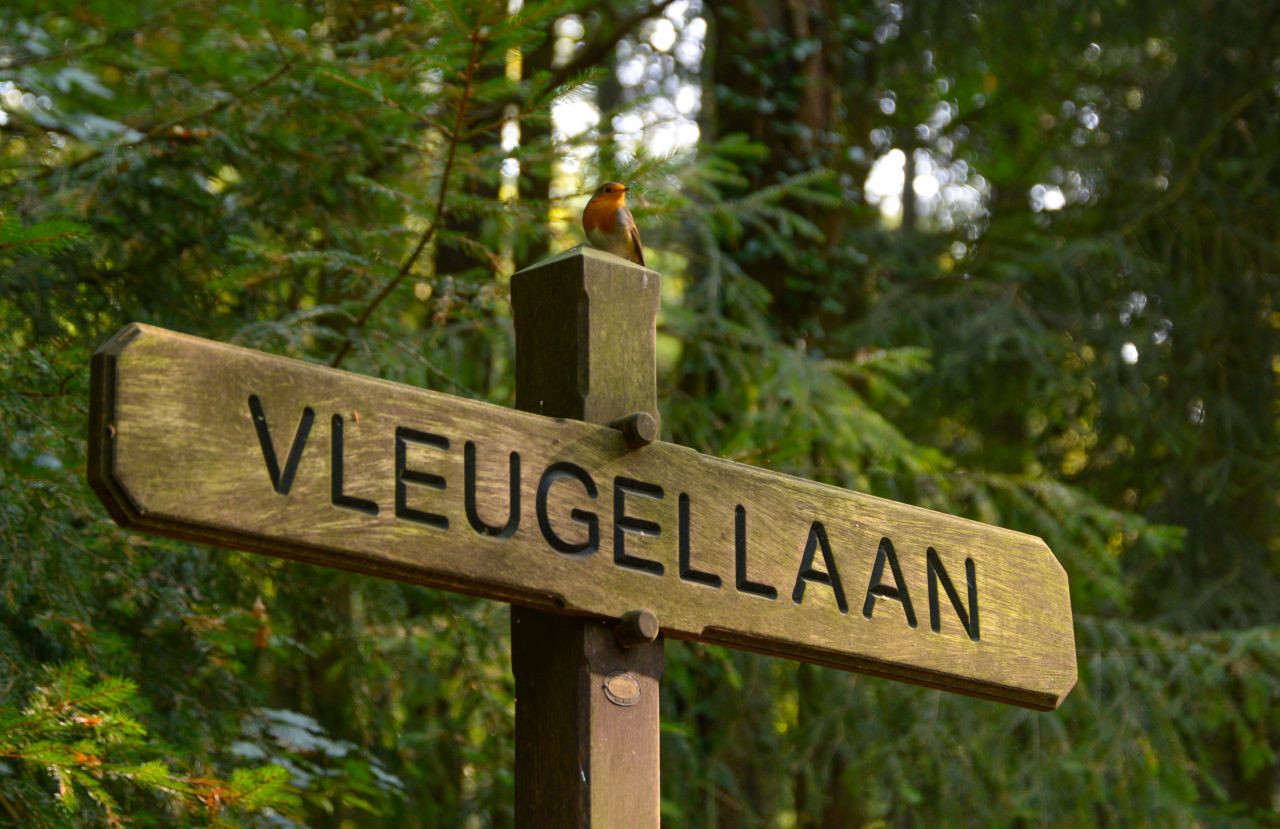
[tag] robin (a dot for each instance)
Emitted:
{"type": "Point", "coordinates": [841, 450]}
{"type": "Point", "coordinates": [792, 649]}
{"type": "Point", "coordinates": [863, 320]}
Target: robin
{"type": "Point", "coordinates": [610, 225]}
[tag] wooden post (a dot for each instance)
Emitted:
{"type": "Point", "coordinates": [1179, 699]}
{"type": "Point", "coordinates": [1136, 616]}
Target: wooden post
{"type": "Point", "coordinates": [586, 705]}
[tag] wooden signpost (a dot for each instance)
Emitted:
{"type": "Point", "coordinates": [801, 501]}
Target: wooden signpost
{"type": "Point", "coordinates": [571, 511]}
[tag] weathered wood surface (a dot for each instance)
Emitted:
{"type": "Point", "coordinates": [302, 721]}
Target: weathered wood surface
{"type": "Point", "coordinates": [721, 552]}
{"type": "Point", "coordinates": [587, 713]}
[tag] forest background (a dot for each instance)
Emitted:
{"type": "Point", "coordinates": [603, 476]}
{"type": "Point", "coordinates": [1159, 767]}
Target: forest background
{"type": "Point", "coordinates": [1014, 261]}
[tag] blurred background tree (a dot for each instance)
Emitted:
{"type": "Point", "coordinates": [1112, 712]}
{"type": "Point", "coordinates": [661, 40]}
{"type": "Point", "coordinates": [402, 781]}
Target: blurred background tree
{"type": "Point", "coordinates": [1015, 261]}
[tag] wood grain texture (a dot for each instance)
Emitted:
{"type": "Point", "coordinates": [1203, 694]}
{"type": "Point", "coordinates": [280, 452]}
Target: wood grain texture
{"type": "Point", "coordinates": [586, 758]}
{"type": "Point", "coordinates": [581, 759]}
{"type": "Point", "coordinates": [174, 449]}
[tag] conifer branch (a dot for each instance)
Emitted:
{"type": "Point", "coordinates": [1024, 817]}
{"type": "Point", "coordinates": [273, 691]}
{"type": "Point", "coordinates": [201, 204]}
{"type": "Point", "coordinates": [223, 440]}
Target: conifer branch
{"type": "Point", "coordinates": [159, 131]}
{"type": "Point", "coordinates": [592, 54]}
{"type": "Point", "coordinates": [382, 98]}
{"type": "Point", "coordinates": [9, 809]}
{"type": "Point", "coordinates": [585, 59]}
{"type": "Point", "coordinates": [1173, 194]}
{"type": "Point", "coordinates": [437, 218]}
{"type": "Point", "coordinates": [123, 35]}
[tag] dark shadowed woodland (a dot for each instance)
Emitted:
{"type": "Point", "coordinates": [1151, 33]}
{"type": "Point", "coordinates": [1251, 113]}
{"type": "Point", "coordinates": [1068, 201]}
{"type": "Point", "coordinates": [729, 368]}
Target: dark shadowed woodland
{"type": "Point", "coordinates": [1016, 261]}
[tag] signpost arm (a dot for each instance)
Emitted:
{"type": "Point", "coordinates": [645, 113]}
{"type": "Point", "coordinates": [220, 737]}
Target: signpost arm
{"type": "Point", "coordinates": [587, 748]}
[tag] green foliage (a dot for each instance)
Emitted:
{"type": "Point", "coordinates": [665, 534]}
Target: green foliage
{"type": "Point", "coordinates": [1076, 337]}
{"type": "Point", "coordinates": [40, 239]}
{"type": "Point", "coordinates": [1071, 346]}
{"type": "Point", "coordinates": [79, 737]}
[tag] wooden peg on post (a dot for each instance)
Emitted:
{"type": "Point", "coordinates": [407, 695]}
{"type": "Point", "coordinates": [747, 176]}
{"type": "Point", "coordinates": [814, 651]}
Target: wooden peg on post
{"type": "Point", "coordinates": [635, 628]}
{"type": "Point", "coordinates": [638, 429]}
{"type": "Point", "coordinates": [587, 748]}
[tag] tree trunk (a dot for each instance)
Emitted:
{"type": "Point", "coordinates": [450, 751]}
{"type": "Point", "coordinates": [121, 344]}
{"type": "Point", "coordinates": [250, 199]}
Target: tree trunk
{"type": "Point", "coordinates": [788, 100]}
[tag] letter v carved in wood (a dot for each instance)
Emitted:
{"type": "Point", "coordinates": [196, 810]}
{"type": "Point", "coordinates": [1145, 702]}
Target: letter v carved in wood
{"type": "Point", "coordinates": [281, 481]}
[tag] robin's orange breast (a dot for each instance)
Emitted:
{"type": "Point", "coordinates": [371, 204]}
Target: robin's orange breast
{"type": "Point", "coordinates": [601, 215]}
